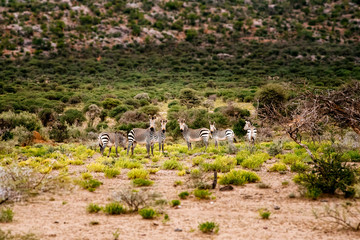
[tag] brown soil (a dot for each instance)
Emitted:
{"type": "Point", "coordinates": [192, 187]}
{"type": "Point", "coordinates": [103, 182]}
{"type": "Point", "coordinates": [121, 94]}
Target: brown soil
{"type": "Point", "coordinates": [64, 216]}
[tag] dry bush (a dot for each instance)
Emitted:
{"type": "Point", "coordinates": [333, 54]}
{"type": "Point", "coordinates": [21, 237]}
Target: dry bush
{"type": "Point", "coordinates": [133, 116]}
{"type": "Point", "coordinates": [345, 215]}
{"type": "Point", "coordinates": [18, 183]}
{"type": "Point", "coordinates": [134, 199]}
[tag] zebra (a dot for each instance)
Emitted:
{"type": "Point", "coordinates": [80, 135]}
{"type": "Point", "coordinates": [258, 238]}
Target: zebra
{"type": "Point", "coordinates": [194, 135]}
{"type": "Point", "coordinates": [251, 131]}
{"type": "Point", "coordinates": [221, 135]}
{"type": "Point", "coordinates": [159, 137]}
{"type": "Point", "coordinates": [142, 136]}
{"type": "Point", "coordinates": [110, 139]}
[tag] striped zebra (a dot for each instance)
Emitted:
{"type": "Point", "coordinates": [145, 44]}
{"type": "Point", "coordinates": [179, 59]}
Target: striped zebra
{"type": "Point", "coordinates": [251, 132]}
{"type": "Point", "coordinates": [142, 136]}
{"type": "Point", "coordinates": [194, 135]}
{"type": "Point", "coordinates": [111, 139]}
{"type": "Point", "coordinates": [221, 135]}
{"type": "Point", "coordinates": [159, 137]}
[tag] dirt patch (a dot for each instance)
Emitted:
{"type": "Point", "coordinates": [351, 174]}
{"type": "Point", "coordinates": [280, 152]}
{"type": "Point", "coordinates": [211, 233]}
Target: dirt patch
{"type": "Point", "coordinates": [64, 216]}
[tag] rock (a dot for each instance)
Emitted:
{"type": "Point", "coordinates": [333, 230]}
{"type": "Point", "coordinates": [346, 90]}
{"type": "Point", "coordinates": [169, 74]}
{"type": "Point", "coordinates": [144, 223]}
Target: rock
{"type": "Point", "coordinates": [227, 188]}
{"type": "Point", "coordinates": [265, 227]}
{"type": "Point", "coordinates": [155, 224]}
{"type": "Point", "coordinates": [178, 230]}
{"type": "Point", "coordinates": [277, 208]}
{"type": "Point", "coordinates": [323, 200]}
{"type": "Point", "coordinates": [56, 222]}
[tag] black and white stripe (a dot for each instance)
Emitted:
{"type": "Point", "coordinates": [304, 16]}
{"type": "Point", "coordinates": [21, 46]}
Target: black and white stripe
{"type": "Point", "coordinates": [110, 139]}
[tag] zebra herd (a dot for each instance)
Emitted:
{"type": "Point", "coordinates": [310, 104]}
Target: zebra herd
{"type": "Point", "coordinates": [150, 136]}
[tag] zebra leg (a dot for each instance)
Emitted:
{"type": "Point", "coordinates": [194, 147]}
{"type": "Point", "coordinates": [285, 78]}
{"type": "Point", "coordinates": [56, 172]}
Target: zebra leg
{"type": "Point", "coordinates": [127, 150]}
{"type": "Point", "coordinates": [216, 143]}
{"type": "Point", "coordinates": [162, 146]}
{"type": "Point", "coordinates": [132, 149]}
{"type": "Point", "coordinates": [116, 147]}
{"type": "Point", "coordinates": [109, 151]}
{"type": "Point", "coordinates": [148, 149]}
{"type": "Point", "coordinates": [152, 149]}
{"type": "Point", "coordinates": [206, 144]}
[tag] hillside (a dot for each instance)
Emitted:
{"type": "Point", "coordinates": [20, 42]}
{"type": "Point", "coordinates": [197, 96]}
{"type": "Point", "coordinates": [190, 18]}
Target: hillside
{"type": "Point", "coordinates": [34, 27]}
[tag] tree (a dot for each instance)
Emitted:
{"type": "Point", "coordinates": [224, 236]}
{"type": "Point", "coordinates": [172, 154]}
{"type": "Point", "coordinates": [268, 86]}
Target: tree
{"type": "Point", "coordinates": [189, 98]}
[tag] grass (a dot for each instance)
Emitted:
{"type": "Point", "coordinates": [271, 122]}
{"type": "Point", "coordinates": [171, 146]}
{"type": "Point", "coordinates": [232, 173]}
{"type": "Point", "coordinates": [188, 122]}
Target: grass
{"type": "Point", "coordinates": [138, 173]}
{"type": "Point", "coordinates": [93, 208]}
{"type": "Point", "coordinates": [202, 194]}
{"type": "Point", "coordinates": [299, 167]}
{"type": "Point", "coordinates": [114, 208]}
{"type": "Point", "coordinates": [278, 167]}
{"type": "Point", "coordinates": [220, 164]}
{"type": "Point", "coordinates": [6, 215]}
{"type": "Point", "coordinates": [147, 213]}
{"type": "Point", "coordinates": [95, 167]}
{"type": "Point", "coordinates": [111, 172]}
{"type": "Point", "coordinates": [123, 163]}
{"type": "Point", "coordinates": [172, 164]}
{"type": "Point", "coordinates": [139, 182]}
{"type": "Point", "coordinates": [183, 195]}
{"type": "Point", "coordinates": [264, 213]}
{"type": "Point", "coordinates": [89, 184]}
{"type": "Point", "coordinates": [238, 177]}
{"type": "Point", "coordinates": [255, 161]}
{"type": "Point", "coordinates": [175, 203]}
{"type": "Point", "coordinates": [209, 227]}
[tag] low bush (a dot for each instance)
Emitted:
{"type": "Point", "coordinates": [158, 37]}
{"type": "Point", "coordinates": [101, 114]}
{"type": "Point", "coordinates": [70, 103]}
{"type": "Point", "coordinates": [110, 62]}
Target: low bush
{"type": "Point", "coordinates": [139, 182]}
{"type": "Point", "coordinates": [255, 161]}
{"type": "Point", "coordinates": [95, 167]}
{"type": "Point", "coordinates": [147, 213]}
{"type": "Point", "coordinates": [90, 184]}
{"type": "Point", "coordinates": [299, 167]}
{"type": "Point", "coordinates": [175, 203]}
{"type": "Point", "coordinates": [264, 213]}
{"type": "Point", "coordinates": [183, 195]}
{"type": "Point", "coordinates": [239, 177]}
{"type": "Point", "coordinates": [278, 167]}
{"type": "Point", "coordinates": [209, 227]}
{"type": "Point", "coordinates": [138, 173]}
{"type": "Point", "coordinates": [328, 175]}
{"type": "Point", "coordinates": [6, 215]}
{"type": "Point", "coordinates": [202, 193]}
{"type": "Point", "coordinates": [114, 208]}
{"type": "Point", "coordinates": [172, 164]}
{"type": "Point", "coordinates": [111, 172]}
{"type": "Point", "coordinates": [93, 208]}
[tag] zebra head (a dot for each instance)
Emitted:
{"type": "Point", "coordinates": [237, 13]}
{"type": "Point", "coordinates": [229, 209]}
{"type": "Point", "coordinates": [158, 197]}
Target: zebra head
{"type": "Point", "coordinates": [247, 125]}
{"type": "Point", "coordinates": [182, 124]}
{"type": "Point", "coordinates": [152, 122]}
{"type": "Point", "coordinates": [163, 125]}
{"type": "Point", "coordinates": [122, 140]}
{"type": "Point", "coordinates": [212, 127]}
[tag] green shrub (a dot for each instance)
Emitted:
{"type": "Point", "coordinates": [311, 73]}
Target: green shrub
{"type": "Point", "coordinates": [209, 227]}
{"type": "Point", "coordinates": [175, 203]}
{"type": "Point", "coordinates": [275, 149]}
{"type": "Point", "coordinates": [328, 175]}
{"type": "Point", "coordinates": [172, 164]}
{"type": "Point", "coordinates": [241, 156]}
{"type": "Point", "coordinates": [220, 164]}
{"type": "Point", "coordinates": [6, 215]}
{"type": "Point", "coordinates": [150, 110]}
{"type": "Point", "coordinates": [114, 208]}
{"type": "Point", "coordinates": [189, 97]}
{"type": "Point", "coordinates": [72, 116]}
{"type": "Point", "coordinates": [10, 120]}
{"type": "Point", "coordinates": [59, 132]}
{"type": "Point", "coordinates": [299, 167]}
{"type": "Point", "coordinates": [238, 128]}
{"type": "Point", "coordinates": [147, 213]}
{"type": "Point", "coordinates": [278, 167]}
{"type": "Point", "coordinates": [90, 184]}
{"type": "Point", "coordinates": [111, 172]}
{"type": "Point", "coordinates": [138, 173]}
{"type": "Point", "coordinates": [183, 195]}
{"type": "Point", "coordinates": [93, 208]}
{"type": "Point", "coordinates": [95, 167]}
{"type": "Point", "coordinates": [270, 96]}
{"type": "Point", "coordinates": [142, 182]}
{"type": "Point", "coordinates": [110, 103]}
{"type": "Point", "coordinates": [239, 177]}
{"type": "Point", "coordinates": [353, 155]}
{"type": "Point", "coordinates": [264, 214]}
{"type": "Point", "coordinates": [255, 161]}
{"type": "Point", "coordinates": [202, 194]}
{"type": "Point", "coordinates": [290, 158]}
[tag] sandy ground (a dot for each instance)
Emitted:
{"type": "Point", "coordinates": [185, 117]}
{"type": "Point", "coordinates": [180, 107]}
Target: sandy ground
{"type": "Point", "coordinates": [63, 215]}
